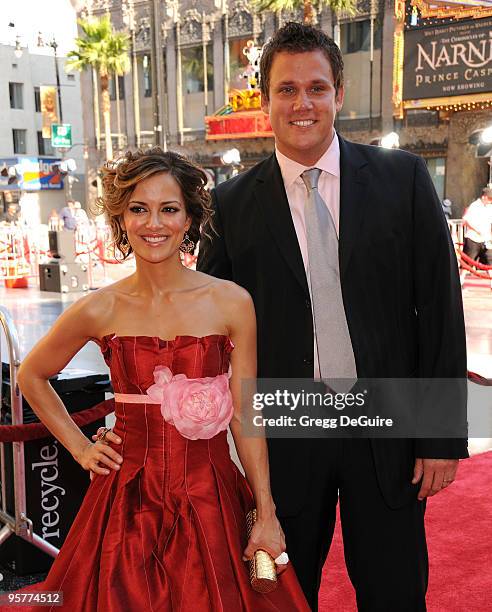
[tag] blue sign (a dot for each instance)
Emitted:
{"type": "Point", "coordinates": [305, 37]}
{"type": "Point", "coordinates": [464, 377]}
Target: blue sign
{"type": "Point", "coordinates": [32, 173]}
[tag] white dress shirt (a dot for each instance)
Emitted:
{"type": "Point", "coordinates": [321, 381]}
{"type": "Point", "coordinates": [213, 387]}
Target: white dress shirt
{"type": "Point", "coordinates": [329, 190]}
{"type": "Point", "coordinates": [479, 216]}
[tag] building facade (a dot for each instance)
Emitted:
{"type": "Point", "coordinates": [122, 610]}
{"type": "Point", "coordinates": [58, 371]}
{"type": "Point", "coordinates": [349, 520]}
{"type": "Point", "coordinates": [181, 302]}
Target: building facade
{"type": "Point", "coordinates": [35, 183]}
{"type": "Point", "coordinates": [188, 56]}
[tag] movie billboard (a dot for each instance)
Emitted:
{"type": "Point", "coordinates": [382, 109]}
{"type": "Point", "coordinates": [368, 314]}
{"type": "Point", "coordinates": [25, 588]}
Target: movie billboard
{"type": "Point", "coordinates": [448, 60]}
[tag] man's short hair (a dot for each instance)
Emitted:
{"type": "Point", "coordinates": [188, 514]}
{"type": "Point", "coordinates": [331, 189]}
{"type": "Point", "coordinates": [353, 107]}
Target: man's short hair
{"type": "Point", "coordinates": [299, 38]}
{"type": "Point", "coordinates": [487, 192]}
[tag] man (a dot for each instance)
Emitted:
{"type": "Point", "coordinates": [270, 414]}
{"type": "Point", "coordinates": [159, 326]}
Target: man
{"type": "Point", "coordinates": [12, 214]}
{"type": "Point", "coordinates": [478, 228]}
{"type": "Point", "coordinates": [447, 208]}
{"type": "Point", "coordinates": [386, 304]}
{"type": "Point", "coordinates": [67, 215]}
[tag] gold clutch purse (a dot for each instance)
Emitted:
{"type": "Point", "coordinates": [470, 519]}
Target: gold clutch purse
{"type": "Point", "coordinates": [262, 570]}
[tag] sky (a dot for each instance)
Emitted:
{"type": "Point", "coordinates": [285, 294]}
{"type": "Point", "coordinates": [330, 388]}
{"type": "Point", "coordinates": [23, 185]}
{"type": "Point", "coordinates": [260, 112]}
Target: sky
{"type": "Point", "coordinates": [50, 17]}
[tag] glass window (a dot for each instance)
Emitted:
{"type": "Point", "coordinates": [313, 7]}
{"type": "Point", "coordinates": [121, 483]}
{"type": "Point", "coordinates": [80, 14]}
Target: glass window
{"type": "Point", "coordinates": [437, 170]}
{"type": "Point", "coordinates": [112, 87]}
{"type": "Point", "coordinates": [37, 100]}
{"type": "Point", "coordinates": [147, 76]}
{"type": "Point", "coordinates": [15, 92]}
{"type": "Point", "coordinates": [19, 138]}
{"type": "Point", "coordinates": [44, 145]}
{"type": "Point", "coordinates": [356, 36]}
{"type": "Point", "coordinates": [192, 67]}
{"type": "Point", "coordinates": [238, 63]}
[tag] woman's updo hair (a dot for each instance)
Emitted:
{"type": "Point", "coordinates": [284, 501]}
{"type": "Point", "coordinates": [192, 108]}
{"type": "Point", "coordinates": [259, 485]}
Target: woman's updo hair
{"type": "Point", "coordinates": [121, 176]}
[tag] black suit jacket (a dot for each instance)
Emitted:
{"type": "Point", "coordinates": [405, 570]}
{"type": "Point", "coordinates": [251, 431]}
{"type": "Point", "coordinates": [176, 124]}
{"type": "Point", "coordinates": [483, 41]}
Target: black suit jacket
{"type": "Point", "coordinates": [400, 288]}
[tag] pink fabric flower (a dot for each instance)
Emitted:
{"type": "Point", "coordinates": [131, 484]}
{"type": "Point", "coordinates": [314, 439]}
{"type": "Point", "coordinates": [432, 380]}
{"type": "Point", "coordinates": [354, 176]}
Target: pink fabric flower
{"type": "Point", "coordinates": [199, 408]}
{"type": "Point", "coordinates": [162, 377]}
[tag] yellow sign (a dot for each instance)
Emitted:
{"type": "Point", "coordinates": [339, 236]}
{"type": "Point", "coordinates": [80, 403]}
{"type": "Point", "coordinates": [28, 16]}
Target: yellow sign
{"type": "Point", "coordinates": [244, 99]}
{"type": "Point", "coordinates": [48, 108]}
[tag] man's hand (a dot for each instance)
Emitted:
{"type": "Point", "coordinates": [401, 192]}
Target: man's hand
{"type": "Point", "coordinates": [436, 474]}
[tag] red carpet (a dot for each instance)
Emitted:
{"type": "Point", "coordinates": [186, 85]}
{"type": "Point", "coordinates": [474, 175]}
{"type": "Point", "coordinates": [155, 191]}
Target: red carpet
{"type": "Point", "coordinates": [459, 537]}
{"type": "Point", "coordinates": [474, 282]}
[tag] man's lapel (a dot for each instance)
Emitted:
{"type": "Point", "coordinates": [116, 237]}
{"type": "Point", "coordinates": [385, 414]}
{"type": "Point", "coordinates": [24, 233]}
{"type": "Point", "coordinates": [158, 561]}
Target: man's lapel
{"type": "Point", "coordinates": [354, 179]}
{"type": "Point", "coordinates": [270, 193]}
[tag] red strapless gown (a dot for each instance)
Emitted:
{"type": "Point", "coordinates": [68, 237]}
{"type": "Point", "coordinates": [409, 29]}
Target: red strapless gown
{"type": "Point", "coordinates": [167, 531]}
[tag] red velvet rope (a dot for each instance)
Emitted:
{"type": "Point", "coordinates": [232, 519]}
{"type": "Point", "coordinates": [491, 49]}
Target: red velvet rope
{"type": "Point", "coordinates": [474, 272]}
{"type": "Point", "coordinates": [35, 431]}
{"type": "Point", "coordinates": [479, 380]}
{"type": "Point", "coordinates": [474, 263]}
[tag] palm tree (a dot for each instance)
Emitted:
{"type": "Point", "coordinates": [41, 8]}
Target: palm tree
{"type": "Point", "coordinates": [276, 6]}
{"type": "Point", "coordinates": [106, 52]}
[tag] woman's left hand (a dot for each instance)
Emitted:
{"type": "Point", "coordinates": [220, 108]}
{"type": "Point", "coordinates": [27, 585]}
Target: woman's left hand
{"type": "Point", "coordinates": [266, 535]}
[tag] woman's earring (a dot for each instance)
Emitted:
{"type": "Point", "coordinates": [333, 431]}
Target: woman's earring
{"type": "Point", "coordinates": [187, 246]}
{"type": "Point", "coordinates": [124, 239]}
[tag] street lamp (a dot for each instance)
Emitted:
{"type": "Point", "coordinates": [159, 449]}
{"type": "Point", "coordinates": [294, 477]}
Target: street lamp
{"type": "Point", "coordinates": [128, 11]}
{"type": "Point", "coordinates": [486, 135]}
{"type": "Point", "coordinates": [232, 158]}
{"type": "Point", "coordinates": [68, 165]}
{"type": "Point", "coordinates": [17, 46]}
{"type": "Point", "coordinates": [390, 141]}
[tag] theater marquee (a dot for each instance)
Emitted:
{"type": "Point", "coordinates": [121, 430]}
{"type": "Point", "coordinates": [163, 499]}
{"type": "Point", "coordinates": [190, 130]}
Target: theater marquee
{"type": "Point", "coordinates": [449, 60]}
{"type": "Point", "coordinates": [442, 56]}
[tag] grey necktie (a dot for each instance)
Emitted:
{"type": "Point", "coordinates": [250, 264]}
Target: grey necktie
{"type": "Point", "coordinates": [335, 353]}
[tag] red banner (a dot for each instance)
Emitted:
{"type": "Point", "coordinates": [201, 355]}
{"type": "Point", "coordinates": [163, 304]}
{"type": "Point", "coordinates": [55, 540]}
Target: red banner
{"type": "Point", "coordinates": [250, 124]}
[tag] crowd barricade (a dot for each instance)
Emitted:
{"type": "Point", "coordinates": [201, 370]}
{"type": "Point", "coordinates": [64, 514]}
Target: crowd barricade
{"type": "Point", "coordinates": [476, 268]}
{"type": "Point", "coordinates": [15, 256]}
{"type": "Point", "coordinates": [456, 231]}
{"type": "Point", "coordinates": [18, 522]}
{"type": "Point", "coordinates": [15, 517]}
{"type": "Point", "coordinates": [22, 249]}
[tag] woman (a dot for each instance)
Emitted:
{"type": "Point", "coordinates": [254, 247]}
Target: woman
{"type": "Point", "coordinates": [163, 525]}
